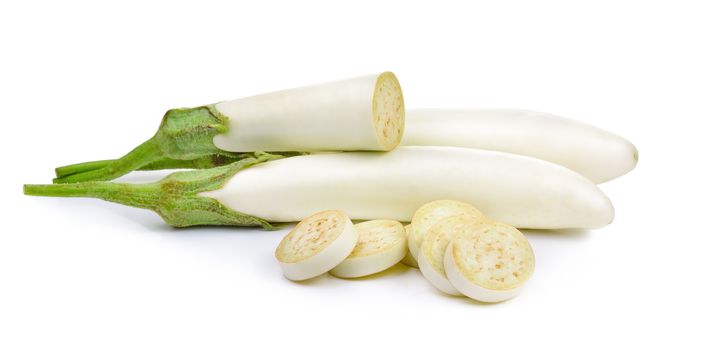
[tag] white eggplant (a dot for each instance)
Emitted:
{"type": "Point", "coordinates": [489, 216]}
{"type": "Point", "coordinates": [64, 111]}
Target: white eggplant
{"type": "Point", "coordinates": [431, 255]}
{"type": "Point", "coordinates": [522, 191]}
{"type": "Point", "coordinates": [316, 245]}
{"type": "Point", "coordinates": [431, 213]}
{"type": "Point", "coordinates": [597, 154]}
{"type": "Point", "coordinates": [365, 113]}
{"type": "Point", "coordinates": [489, 262]}
{"type": "Point", "coordinates": [381, 245]}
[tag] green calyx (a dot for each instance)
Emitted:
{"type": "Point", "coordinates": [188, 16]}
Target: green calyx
{"type": "Point", "coordinates": [187, 133]}
{"type": "Point", "coordinates": [175, 198]}
{"type": "Point", "coordinates": [184, 138]}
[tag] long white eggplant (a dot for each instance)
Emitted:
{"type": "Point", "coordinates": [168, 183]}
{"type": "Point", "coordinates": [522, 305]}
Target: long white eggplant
{"type": "Point", "coordinates": [597, 154]}
{"type": "Point", "coordinates": [365, 113]}
{"type": "Point", "coordinates": [258, 191]}
{"type": "Point", "coordinates": [522, 191]}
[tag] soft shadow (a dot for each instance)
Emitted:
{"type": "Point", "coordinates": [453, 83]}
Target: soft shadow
{"type": "Point", "coordinates": [153, 223]}
{"type": "Point", "coordinates": [463, 300]}
{"type": "Point", "coordinates": [393, 271]}
{"type": "Point", "coordinates": [147, 219]}
{"type": "Point", "coordinates": [82, 209]}
{"type": "Point", "coordinates": [215, 229]}
{"type": "Point", "coordinates": [566, 234]}
{"type": "Point", "coordinates": [311, 281]}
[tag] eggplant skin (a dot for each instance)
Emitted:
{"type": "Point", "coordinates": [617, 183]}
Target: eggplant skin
{"type": "Point", "coordinates": [521, 191]}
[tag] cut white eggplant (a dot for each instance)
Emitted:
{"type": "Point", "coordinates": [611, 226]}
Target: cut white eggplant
{"type": "Point", "coordinates": [489, 262]}
{"type": "Point", "coordinates": [431, 256]}
{"type": "Point", "coordinates": [595, 153]}
{"type": "Point", "coordinates": [521, 191]}
{"type": "Point", "coordinates": [409, 260]}
{"type": "Point", "coordinates": [431, 213]}
{"type": "Point", "coordinates": [316, 245]}
{"type": "Point", "coordinates": [365, 113]}
{"type": "Point", "coordinates": [381, 244]}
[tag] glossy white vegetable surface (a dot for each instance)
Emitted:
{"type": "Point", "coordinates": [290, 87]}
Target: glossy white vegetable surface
{"type": "Point", "coordinates": [365, 113]}
{"type": "Point", "coordinates": [521, 191]}
{"type": "Point", "coordinates": [595, 153]}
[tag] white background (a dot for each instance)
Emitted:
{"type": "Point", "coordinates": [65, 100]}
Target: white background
{"type": "Point", "coordinates": [84, 80]}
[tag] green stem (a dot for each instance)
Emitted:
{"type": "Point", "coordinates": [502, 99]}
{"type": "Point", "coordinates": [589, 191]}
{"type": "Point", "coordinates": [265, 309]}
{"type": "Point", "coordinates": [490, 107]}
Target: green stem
{"type": "Point", "coordinates": [142, 155]}
{"type": "Point", "coordinates": [205, 162]}
{"type": "Point", "coordinates": [175, 198]}
{"type": "Point", "coordinates": [134, 195]}
{"type": "Point", "coordinates": [67, 170]}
